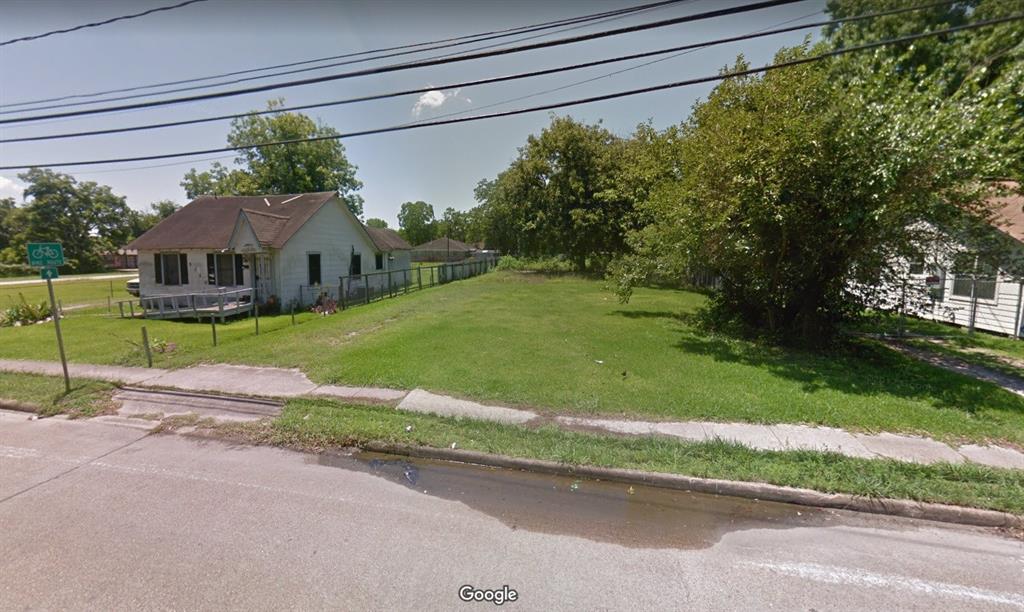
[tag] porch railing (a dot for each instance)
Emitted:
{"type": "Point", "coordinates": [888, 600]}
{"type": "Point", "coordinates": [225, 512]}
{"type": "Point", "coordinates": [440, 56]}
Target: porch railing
{"type": "Point", "coordinates": [220, 304]}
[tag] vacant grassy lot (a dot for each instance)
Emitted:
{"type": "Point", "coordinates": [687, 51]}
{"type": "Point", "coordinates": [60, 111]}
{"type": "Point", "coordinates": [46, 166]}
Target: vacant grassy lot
{"type": "Point", "coordinates": [84, 291]}
{"type": "Point", "coordinates": [566, 344]}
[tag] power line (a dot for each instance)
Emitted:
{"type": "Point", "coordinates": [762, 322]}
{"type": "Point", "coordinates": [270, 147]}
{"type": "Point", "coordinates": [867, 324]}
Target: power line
{"type": "Point", "coordinates": [325, 66]}
{"type": "Point", "coordinates": [97, 24]}
{"type": "Point", "coordinates": [620, 71]}
{"type": "Point", "coordinates": [523, 75]}
{"type": "Point", "coordinates": [419, 64]}
{"type": "Point", "coordinates": [533, 109]}
{"type": "Point", "coordinates": [467, 39]}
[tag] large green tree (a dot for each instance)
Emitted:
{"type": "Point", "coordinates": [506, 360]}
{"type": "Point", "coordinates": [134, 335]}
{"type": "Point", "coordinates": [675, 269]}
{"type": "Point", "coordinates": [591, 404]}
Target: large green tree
{"type": "Point", "coordinates": [88, 219]}
{"type": "Point", "coordinates": [795, 188]}
{"type": "Point", "coordinates": [299, 167]}
{"type": "Point", "coordinates": [454, 224]}
{"type": "Point", "coordinates": [982, 68]}
{"type": "Point", "coordinates": [142, 221]}
{"type": "Point", "coordinates": [375, 222]}
{"type": "Point", "coordinates": [562, 195]}
{"type": "Point", "coordinates": [416, 222]}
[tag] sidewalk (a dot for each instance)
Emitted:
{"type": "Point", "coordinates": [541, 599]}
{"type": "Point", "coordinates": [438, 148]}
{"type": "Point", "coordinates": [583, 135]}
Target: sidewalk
{"type": "Point", "coordinates": [283, 383]}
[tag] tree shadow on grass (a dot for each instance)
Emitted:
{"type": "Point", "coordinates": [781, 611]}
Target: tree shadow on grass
{"type": "Point", "coordinates": [855, 367]}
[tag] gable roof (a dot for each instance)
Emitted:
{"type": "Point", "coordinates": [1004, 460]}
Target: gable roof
{"type": "Point", "coordinates": [1009, 210]}
{"type": "Point", "coordinates": [441, 244]}
{"type": "Point", "coordinates": [207, 222]}
{"type": "Point", "coordinates": [387, 239]}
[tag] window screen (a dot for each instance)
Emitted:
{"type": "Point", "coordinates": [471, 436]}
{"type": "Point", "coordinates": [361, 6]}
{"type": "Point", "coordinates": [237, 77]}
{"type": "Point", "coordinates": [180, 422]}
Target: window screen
{"type": "Point", "coordinates": [355, 267]}
{"type": "Point", "coordinates": [380, 261]}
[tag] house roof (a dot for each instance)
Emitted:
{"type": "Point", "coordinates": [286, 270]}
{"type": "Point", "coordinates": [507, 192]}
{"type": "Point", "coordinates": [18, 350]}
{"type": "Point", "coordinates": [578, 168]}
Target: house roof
{"type": "Point", "coordinates": [208, 221]}
{"type": "Point", "coordinates": [387, 239]}
{"type": "Point", "coordinates": [1009, 210]}
{"type": "Point", "coordinates": [442, 244]}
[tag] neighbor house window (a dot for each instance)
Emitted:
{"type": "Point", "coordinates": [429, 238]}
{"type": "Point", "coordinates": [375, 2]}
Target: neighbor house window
{"type": "Point", "coordinates": [355, 265]}
{"type": "Point", "coordinates": [313, 264]}
{"type": "Point", "coordinates": [984, 287]}
{"type": "Point", "coordinates": [171, 268]}
{"type": "Point", "coordinates": [380, 261]}
{"type": "Point", "coordinates": [224, 269]}
{"type": "Point", "coordinates": [916, 266]}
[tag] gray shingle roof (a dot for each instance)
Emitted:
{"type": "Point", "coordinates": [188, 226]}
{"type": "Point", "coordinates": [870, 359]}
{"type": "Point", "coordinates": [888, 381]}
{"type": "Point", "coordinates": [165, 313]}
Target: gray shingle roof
{"type": "Point", "coordinates": [207, 221]}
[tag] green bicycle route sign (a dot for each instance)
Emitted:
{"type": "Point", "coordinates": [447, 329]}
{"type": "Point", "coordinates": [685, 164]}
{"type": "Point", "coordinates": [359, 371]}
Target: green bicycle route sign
{"type": "Point", "coordinates": [45, 254]}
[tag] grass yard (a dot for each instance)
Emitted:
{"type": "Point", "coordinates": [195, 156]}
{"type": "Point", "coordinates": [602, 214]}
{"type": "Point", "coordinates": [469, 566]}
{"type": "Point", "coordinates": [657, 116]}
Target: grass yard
{"type": "Point", "coordinates": [982, 348]}
{"type": "Point", "coordinates": [567, 345]}
{"type": "Point", "coordinates": [46, 393]}
{"type": "Point", "coordinates": [83, 292]}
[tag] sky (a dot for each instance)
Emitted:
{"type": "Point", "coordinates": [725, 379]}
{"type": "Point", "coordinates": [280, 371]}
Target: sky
{"type": "Point", "coordinates": [440, 165]}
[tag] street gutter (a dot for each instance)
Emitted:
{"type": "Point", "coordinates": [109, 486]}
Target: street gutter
{"type": "Point", "coordinates": [749, 490]}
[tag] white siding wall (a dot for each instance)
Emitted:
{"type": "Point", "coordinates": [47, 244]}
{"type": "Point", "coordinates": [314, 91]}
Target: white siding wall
{"type": "Point", "coordinates": [197, 275]}
{"type": "Point", "coordinates": [332, 232]}
{"type": "Point", "coordinates": [997, 315]}
{"type": "Point", "coordinates": [401, 261]}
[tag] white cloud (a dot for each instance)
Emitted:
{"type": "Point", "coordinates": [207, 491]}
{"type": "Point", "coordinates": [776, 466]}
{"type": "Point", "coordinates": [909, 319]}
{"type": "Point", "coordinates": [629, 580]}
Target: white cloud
{"type": "Point", "coordinates": [10, 187]}
{"type": "Point", "coordinates": [435, 98]}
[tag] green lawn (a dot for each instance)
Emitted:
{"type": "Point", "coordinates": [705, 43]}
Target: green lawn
{"type": "Point", "coordinates": [567, 344]}
{"type": "Point", "coordinates": [86, 291]}
{"type": "Point", "coordinates": [993, 351]}
{"type": "Point", "coordinates": [46, 393]}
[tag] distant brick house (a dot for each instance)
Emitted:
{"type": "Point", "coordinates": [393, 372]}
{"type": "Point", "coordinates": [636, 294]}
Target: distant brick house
{"type": "Point", "coordinates": [443, 249]}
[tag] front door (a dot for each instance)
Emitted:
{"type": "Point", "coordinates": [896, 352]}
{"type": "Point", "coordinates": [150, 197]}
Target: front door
{"type": "Point", "coordinates": [264, 278]}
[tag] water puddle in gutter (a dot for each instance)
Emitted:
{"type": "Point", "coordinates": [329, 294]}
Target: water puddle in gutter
{"type": "Point", "coordinates": [633, 516]}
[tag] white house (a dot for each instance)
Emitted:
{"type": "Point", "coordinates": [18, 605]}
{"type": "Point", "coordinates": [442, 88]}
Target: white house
{"type": "Point", "coordinates": [997, 303]}
{"type": "Point", "coordinates": [219, 254]}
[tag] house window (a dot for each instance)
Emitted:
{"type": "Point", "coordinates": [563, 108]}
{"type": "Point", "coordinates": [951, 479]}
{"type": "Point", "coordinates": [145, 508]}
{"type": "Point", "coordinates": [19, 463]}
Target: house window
{"type": "Point", "coordinates": [171, 268]}
{"type": "Point", "coordinates": [313, 265]}
{"type": "Point", "coordinates": [224, 269]}
{"type": "Point", "coordinates": [916, 266]}
{"type": "Point", "coordinates": [380, 261]}
{"type": "Point", "coordinates": [984, 287]}
{"type": "Point", "coordinates": [355, 266]}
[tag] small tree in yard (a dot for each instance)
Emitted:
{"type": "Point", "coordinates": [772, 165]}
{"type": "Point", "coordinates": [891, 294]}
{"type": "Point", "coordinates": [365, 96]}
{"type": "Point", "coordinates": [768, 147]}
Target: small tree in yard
{"type": "Point", "coordinates": [797, 189]}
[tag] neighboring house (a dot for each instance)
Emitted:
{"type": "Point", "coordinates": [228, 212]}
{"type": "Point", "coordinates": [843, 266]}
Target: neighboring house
{"type": "Point", "coordinates": [121, 259]}
{"type": "Point", "coordinates": [999, 303]}
{"type": "Point", "coordinates": [443, 249]}
{"type": "Point", "coordinates": [279, 249]}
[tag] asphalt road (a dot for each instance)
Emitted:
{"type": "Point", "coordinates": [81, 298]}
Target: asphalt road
{"type": "Point", "coordinates": [104, 516]}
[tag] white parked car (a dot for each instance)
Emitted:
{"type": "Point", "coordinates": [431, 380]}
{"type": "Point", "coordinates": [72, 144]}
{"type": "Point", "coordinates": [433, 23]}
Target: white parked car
{"type": "Point", "coordinates": [132, 286]}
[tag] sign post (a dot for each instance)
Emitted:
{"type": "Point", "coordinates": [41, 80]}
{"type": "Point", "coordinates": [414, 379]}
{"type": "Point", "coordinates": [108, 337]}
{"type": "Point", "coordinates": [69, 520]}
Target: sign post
{"type": "Point", "coordinates": [47, 256]}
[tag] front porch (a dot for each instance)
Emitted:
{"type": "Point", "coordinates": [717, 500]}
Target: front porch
{"type": "Point", "coordinates": [193, 305]}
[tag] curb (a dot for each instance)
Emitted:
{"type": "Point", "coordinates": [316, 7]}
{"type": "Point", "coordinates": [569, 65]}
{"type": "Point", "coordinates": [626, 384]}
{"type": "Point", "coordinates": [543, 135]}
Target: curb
{"type": "Point", "coordinates": [18, 406]}
{"type": "Point", "coordinates": [749, 490]}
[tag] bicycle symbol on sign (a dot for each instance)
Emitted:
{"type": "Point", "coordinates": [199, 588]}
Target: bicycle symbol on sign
{"type": "Point", "coordinates": [45, 252]}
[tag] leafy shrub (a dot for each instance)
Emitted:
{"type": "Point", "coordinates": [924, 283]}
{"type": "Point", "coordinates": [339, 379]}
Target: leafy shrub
{"type": "Point", "coordinates": [7, 270]}
{"type": "Point", "coordinates": [544, 265]}
{"type": "Point", "coordinates": [24, 313]}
